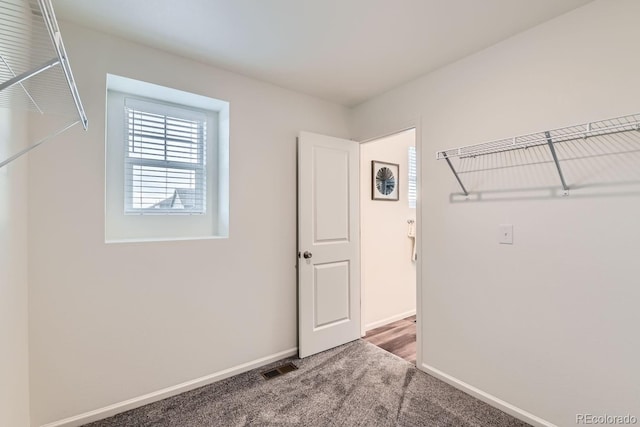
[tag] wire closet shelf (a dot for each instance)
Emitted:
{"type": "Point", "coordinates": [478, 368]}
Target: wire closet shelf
{"type": "Point", "coordinates": [35, 74]}
{"type": "Point", "coordinates": [547, 138]}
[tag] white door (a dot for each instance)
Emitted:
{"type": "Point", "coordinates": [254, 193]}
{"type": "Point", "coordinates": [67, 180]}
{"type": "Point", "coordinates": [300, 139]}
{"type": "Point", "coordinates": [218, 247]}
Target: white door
{"type": "Point", "coordinates": [328, 242]}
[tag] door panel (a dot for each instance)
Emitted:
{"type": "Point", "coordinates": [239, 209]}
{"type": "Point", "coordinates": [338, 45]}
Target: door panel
{"type": "Point", "coordinates": [331, 289]}
{"type": "Point", "coordinates": [330, 196]}
{"type": "Point", "coordinates": [328, 232]}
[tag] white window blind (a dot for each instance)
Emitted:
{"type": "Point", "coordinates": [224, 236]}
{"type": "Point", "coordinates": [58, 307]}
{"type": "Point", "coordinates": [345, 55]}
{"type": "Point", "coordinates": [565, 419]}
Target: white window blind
{"type": "Point", "coordinates": [412, 179]}
{"type": "Point", "coordinates": [165, 167]}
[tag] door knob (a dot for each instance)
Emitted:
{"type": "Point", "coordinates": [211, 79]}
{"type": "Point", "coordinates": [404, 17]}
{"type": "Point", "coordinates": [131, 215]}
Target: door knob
{"type": "Point", "coordinates": [307, 254]}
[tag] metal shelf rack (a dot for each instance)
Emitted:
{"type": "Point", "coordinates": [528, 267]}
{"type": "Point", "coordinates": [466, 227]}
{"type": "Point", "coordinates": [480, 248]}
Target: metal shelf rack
{"type": "Point", "coordinates": [35, 74]}
{"type": "Point", "coordinates": [547, 138]}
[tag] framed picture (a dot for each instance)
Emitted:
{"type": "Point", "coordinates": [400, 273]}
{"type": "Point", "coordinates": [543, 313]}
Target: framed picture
{"type": "Point", "coordinates": [384, 181]}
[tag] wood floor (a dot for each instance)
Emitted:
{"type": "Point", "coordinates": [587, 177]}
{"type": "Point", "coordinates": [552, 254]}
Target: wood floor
{"type": "Point", "coordinates": [398, 338]}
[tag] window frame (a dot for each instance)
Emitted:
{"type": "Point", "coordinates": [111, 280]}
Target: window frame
{"type": "Point", "coordinates": [200, 168]}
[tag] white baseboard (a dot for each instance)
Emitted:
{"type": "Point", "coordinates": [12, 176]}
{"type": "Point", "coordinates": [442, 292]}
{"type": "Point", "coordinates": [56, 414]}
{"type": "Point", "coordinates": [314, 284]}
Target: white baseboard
{"type": "Point", "coordinates": [487, 398]}
{"type": "Point", "coordinates": [388, 320]}
{"type": "Point", "coordinates": [155, 396]}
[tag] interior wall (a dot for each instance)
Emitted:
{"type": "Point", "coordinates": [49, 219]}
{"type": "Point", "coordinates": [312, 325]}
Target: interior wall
{"type": "Point", "coordinates": [545, 324]}
{"type": "Point", "coordinates": [14, 350]}
{"type": "Point", "coordinates": [388, 272]}
{"type": "Point", "coordinates": [110, 322]}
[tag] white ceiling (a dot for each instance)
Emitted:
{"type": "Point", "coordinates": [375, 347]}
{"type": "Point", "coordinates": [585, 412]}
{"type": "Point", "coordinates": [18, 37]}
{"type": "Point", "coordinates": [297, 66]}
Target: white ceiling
{"type": "Point", "coordinates": [345, 51]}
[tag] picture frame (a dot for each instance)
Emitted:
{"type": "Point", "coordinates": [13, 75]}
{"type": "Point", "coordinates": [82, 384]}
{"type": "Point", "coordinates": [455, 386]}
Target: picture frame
{"type": "Point", "coordinates": [385, 182]}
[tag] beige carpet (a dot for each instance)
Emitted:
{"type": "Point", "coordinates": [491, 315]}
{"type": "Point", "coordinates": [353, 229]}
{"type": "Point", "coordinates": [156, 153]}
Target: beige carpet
{"type": "Point", "coordinates": [357, 384]}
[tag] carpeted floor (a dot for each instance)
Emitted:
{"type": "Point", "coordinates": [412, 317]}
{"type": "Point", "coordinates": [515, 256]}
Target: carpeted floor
{"type": "Point", "coordinates": [357, 384]}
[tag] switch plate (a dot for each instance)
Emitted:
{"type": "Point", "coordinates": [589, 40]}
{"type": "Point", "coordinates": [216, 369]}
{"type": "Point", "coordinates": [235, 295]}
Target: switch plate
{"type": "Point", "coordinates": [505, 234]}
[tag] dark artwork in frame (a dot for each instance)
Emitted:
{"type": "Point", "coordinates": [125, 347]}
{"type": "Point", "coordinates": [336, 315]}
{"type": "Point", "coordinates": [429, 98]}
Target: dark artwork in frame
{"type": "Point", "coordinates": [384, 181]}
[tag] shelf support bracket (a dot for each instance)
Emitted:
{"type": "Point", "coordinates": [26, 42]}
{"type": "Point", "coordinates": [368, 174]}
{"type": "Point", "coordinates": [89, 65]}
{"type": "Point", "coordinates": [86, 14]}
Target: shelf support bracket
{"type": "Point", "coordinates": [464, 190]}
{"type": "Point", "coordinates": [555, 159]}
{"type": "Point", "coordinates": [40, 142]}
{"type": "Point", "coordinates": [28, 74]}
{"type": "Point", "coordinates": [35, 104]}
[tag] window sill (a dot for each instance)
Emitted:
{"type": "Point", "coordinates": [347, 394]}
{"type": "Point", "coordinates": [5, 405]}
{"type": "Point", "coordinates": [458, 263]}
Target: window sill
{"type": "Point", "coordinates": [159, 239]}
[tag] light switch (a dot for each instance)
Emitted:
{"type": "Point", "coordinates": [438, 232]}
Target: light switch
{"type": "Point", "coordinates": [505, 234]}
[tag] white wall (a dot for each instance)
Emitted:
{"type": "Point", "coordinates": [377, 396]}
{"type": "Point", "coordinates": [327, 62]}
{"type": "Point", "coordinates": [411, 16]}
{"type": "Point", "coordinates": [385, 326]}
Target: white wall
{"type": "Point", "coordinates": [388, 273]}
{"type": "Point", "coordinates": [14, 351]}
{"type": "Point", "coordinates": [549, 324]}
{"type": "Point", "coordinates": [111, 322]}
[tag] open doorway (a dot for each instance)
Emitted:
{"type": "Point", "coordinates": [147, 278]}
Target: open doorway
{"type": "Point", "coordinates": [388, 188]}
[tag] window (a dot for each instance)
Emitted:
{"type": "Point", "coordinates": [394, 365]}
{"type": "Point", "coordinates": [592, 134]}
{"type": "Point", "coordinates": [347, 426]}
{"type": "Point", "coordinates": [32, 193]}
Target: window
{"type": "Point", "coordinates": [166, 164]}
{"type": "Point", "coordinates": [412, 179]}
{"type": "Point", "coordinates": [165, 160]}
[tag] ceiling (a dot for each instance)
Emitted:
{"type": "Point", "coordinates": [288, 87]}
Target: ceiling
{"type": "Point", "coordinates": [344, 51]}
